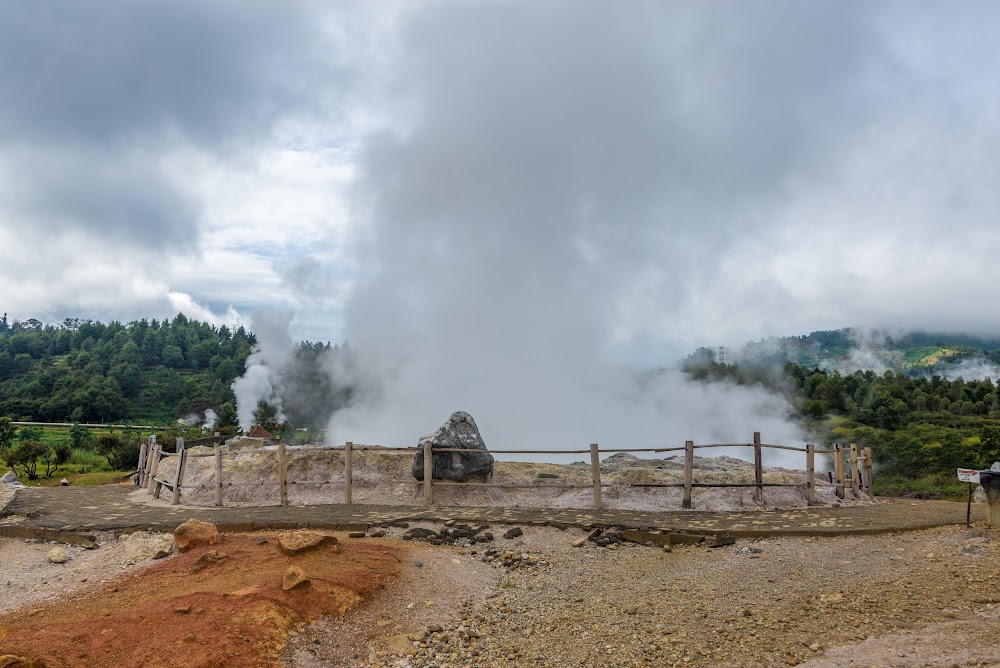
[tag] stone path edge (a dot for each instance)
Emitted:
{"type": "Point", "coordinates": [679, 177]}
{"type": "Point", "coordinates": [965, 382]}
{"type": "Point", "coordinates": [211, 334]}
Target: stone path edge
{"type": "Point", "coordinates": [76, 515]}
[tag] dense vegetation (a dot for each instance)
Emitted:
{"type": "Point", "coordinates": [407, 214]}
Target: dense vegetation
{"type": "Point", "coordinates": [143, 372]}
{"type": "Point", "coordinates": [920, 428]}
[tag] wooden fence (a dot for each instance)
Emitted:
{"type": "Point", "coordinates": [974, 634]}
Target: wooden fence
{"type": "Point", "coordinates": [852, 468]}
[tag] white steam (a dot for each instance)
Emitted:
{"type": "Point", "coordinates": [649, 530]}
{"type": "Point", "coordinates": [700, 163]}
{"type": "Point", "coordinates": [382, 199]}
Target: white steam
{"type": "Point", "coordinates": [261, 382]}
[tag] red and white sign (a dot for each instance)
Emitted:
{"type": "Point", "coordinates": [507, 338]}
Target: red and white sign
{"type": "Point", "coordinates": [968, 475]}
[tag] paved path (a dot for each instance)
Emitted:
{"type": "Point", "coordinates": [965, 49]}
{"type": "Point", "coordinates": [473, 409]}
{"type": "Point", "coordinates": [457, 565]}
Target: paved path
{"type": "Point", "coordinates": [71, 513]}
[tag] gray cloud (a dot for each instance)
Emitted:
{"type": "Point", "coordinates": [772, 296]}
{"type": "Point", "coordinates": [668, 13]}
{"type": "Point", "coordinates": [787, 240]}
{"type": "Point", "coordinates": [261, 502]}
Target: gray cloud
{"type": "Point", "coordinates": [100, 96]}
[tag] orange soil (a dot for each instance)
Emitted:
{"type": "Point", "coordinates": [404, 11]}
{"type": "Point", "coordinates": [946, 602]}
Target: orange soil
{"type": "Point", "coordinates": [232, 612]}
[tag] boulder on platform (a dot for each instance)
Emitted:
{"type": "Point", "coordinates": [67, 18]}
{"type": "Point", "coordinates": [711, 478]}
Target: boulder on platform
{"type": "Point", "coordinates": [458, 433]}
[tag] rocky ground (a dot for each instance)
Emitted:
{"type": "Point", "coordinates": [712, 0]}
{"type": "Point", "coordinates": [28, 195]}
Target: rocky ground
{"type": "Point", "coordinates": [549, 597]}
{"type": "Point", "coordinates": [923, 599]}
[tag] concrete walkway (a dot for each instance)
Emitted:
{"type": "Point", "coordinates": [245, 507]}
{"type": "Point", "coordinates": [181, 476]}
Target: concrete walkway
{"type": "Point", "coordinates": [74, 514]}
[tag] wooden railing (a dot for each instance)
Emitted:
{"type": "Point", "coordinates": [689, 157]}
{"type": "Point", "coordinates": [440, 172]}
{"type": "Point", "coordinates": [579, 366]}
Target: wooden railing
{"type": "Point", "coordinates": [852, 468]}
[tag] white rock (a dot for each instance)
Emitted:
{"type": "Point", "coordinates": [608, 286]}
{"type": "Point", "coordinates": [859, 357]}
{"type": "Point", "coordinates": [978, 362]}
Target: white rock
{"type": "Point", "coordinates": [57, 555]}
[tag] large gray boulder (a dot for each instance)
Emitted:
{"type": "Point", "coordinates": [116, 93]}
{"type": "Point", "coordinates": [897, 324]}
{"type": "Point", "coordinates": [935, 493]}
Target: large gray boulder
{"type": "Point", "coordinates": [459, 432]}
{"type": "Point", "coordinates": [9, 478]}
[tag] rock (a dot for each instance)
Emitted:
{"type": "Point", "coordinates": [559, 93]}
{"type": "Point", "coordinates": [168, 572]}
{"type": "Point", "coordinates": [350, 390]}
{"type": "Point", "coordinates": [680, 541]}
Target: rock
{"type": "Point", "coordinates": [143, 545]}
{"type": "Point", "coordinates": [748, 551]}
{"type": "Point", "coordinates": [460, 432]}
{"type": "Point", "coordinates": [193, 533]}
{"type": "Point", "coordinates": [300, 540]}
{"type": "Point", "coordinates": [548, 476]}
{"type": "Point", "coordinates": [513, 533]}
{"type": "Point", "coordinates": [401, 644]}
{"type": "Point", "coordinates": [9, 478]}
{"type": "Point", "coordinates": [64, 482]}
{"type": "Point", "coordinates": [418, 533]}
{"type": "Point", "coordinates": [57, 555]}
{"type": "Point", "coordinates": [377, 533]}
{"type": "Point", "coordinates": [355, 534]}
{"type": "Point", "coordinates": [579, 542]}
{"type": "Point", "coordinates": [294, 577]}
{"type": "Point", "coordinates": [12, 661]}
{"type": "Point", "coordinates": [973, 550]}
{"type": "Point", "coordinates": [207, 559]}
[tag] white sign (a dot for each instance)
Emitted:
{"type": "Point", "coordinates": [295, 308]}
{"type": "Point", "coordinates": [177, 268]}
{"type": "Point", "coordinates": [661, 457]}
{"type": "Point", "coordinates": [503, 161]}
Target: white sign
{"type": "Point", "coordinates": [968, 475]}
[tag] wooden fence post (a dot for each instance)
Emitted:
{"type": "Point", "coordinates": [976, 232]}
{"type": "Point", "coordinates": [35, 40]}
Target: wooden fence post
{"type": "Point", "coordinates": [154, 466]}
{"type": "Point", "coordinates": [758, 470]}
{"type": "Point", "coordinates": [348, 471]}
{"type": "Point", "coordinates": [595, 473]}
{"type": "Point", "coordinates": [179, 475]}
{"type": "Point", "coordinates": [428, 473]}
{"type": "Point", "coordinates": [282, 473]}
{"type": "Point", "coordinates": [855, 478]}
{"type": "Point", "coordinates": [217, 452]}
{"type": "Point", "coordinates": [140, 473]}
{"type": "Point", "coordinates": [688, 473]}
{"type": "Point", "coordinates": [810, 473]}
{"type": "Point", "coordinates": [866, 475]}
{"type": "Point", "coordinates": [838, 469]}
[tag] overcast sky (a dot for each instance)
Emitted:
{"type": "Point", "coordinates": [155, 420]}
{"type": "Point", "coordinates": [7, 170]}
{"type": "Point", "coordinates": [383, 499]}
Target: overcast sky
{"type": "Point", "coordinates": [645, 177]}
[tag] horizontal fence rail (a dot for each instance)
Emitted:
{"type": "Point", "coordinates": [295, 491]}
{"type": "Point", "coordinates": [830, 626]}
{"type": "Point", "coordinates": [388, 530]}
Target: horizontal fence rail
{"type": "Point", "coordinates": [852, 468]}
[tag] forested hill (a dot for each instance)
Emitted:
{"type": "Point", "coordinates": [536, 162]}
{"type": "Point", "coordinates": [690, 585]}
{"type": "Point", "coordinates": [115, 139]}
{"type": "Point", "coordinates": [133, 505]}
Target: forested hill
{"type": "Point", "coordinates": [847, 350]}
{"type": "Point", "coordinates": [144, 372]}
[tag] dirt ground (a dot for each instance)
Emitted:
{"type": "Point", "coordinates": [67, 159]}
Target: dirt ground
{"type": "Point", "coordinates": [926, 598]}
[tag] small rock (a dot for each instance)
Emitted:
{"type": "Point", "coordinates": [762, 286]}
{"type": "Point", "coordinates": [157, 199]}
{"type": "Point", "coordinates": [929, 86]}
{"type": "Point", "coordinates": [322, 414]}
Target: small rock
{"type": "Point", "coordinates": [513, 533]}
{"type": "Point", "coordinates": [356, 534]}
{"type": "Point", "coordinates": [207, 559]}
{"type": "Point", "coordinates": [64, 482]}
{"type": "Point", "coordinates": [183, 610]}
{"type": "Point", "coordinates": [294, 577]}
{"type": "Point", "coordinates": [579, 542]}
{"type": "Point", "coordinates": [377, 533]}
{"type": "Point", "coordinates": [195, 532]}
{"type": "Point", "coordinates": [300, 540]}
{"type": "Point", "coordinates": [57, 555]}
{"type": "Point", "coordinates": [973, 550]}
{"type": "Point", "coordinates": [401, 644]}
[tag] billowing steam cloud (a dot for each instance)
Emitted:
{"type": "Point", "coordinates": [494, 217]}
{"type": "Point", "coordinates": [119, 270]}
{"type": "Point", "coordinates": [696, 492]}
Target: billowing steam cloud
{"type": "Point", "coordinates": [261, 382]}
{"type": "Point", "coordinates": [531, 216]}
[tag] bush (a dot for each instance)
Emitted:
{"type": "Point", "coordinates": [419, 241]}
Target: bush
{"type": "Point", "coordinates": [86, 460]}
{"type": "Point", "coordinates": [121, 450]}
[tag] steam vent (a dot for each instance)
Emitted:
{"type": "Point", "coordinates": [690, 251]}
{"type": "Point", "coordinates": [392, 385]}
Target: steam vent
{"type": "Point", "coordinates": [459, 432]}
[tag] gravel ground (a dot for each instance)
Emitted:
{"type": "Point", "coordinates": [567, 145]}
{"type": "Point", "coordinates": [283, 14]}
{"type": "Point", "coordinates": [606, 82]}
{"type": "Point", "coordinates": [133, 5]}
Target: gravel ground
{"type": "Point", "coordinates": [921, 599]}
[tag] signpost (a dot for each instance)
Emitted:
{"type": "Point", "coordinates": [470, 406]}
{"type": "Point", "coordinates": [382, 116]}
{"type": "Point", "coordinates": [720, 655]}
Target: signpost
{"type": "Point", "coordinates": [970, 476]}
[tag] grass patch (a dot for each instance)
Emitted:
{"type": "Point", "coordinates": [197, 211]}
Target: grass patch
{"type": "Point", "coordinates": [936, 486]}
{"type": "Point", "coordinates": [81, 479]}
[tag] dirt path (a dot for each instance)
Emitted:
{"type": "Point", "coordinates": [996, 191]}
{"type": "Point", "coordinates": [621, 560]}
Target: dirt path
{"type": "Point", "coordinates": [117, 507]}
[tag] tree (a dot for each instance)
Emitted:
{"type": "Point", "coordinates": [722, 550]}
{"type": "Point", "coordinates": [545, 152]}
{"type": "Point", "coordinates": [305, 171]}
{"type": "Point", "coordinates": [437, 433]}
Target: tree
{"type": "Point", "coordinates": [228, 422]}
{"type": "Point", "coordinates": [56, 456]}
{"type": "Point", "coordinates": [25, 457]}
{"type": "Point", "coordinates": [80, 436]}
{"type": "Point", "coordinates": [7, 431]}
